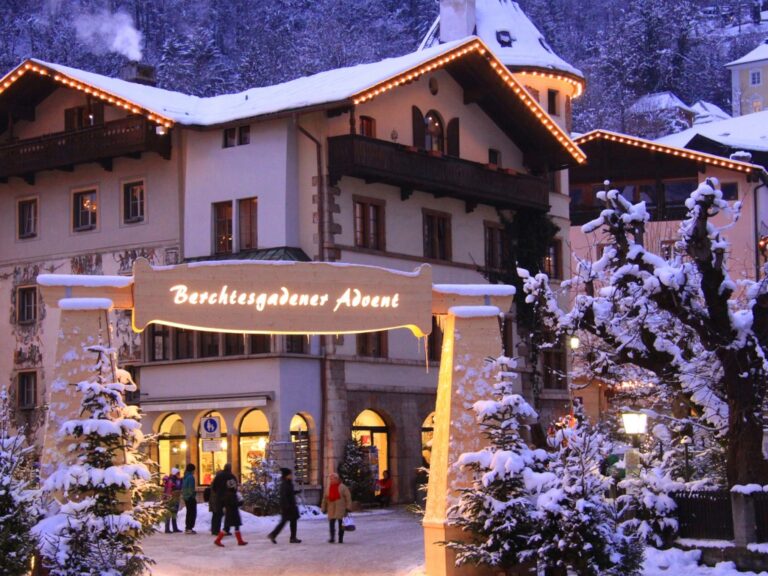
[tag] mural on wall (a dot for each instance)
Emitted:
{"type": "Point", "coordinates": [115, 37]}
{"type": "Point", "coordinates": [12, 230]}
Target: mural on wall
{"type": "Point", "coordinates": [86, 264]}
{"type": "Point", "coordinates": [126, 258]}
{"type": "Point", "coordinates": [127, 342]}
{"type": "Point", "coordinates": [27, 352]}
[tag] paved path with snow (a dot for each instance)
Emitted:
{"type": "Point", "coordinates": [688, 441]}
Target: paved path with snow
{"type": "Point", "coordinates": [386, 543]}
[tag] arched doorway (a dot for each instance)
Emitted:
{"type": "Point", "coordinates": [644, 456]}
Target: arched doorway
{"type": "Point", "coordinates": [373, 434]}
{"type": "Point", "coordinates": [302, 448]}
{"type": "Point", "coordinates": [211, 461]}
{"type": "Point", "coordinates": [254, 439]}
{"type": "Point", "coordinates": [427, 433]}
{"type": "Point", "coordinates": [172, 444]}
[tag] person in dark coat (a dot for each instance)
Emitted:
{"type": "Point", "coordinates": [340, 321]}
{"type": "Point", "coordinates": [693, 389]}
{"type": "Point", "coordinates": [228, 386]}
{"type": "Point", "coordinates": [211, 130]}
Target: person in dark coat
{"type": "Point", "coordinates": [189, 495]}
{"type": "Point", "coordinates": [289, 509]}
{"type": "Point", "coordinates": [224, 486]}
{"type": "Point", "coordinates": [172, 497]}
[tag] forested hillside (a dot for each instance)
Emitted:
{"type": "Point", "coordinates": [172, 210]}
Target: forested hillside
{"type": "Point", "coordinates": [203, 47]}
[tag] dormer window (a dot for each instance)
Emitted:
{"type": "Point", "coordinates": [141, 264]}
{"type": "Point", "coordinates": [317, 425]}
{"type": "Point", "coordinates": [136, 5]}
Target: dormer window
{"type": "Point", "coordinates": [504, 38]}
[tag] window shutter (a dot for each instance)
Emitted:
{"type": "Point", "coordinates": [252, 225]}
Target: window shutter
{"type": "Point", "coordinates": [97, 109]}
{"type": "Point", "coordinates": [453, 137]}
{"type": "Point", "coordinates": [418, 127]}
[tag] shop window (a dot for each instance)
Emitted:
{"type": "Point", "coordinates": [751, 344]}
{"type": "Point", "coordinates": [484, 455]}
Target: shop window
{"type": "Point", "coordinates": [214, 457]}
{"type": "Point", "coordinates": [84, 210]}
{"type": "Point", "coordinates": [254, 439]}
{"type": "Point", "coordinates": [133, 202]}
{"type": "Point", "coordinates": [159, 342]}
{"type": "Point", "coordinates": [26, 218]}
{"type": "Point", "coordinates": [555, 365]}
{"type": "Point", "coordinates": [373, 344]}
{"type": "Point", "coordinates": [209, 344]}
{"type": "Point", "coordinates": [370, 430]}
{"type": "Point", "coordinates": [244, 135]}
{"type": "Point", "coordinates": [427, 434]}
{"type": "Point", "coordinates": [222, 227]}
{"type": "Point", "coordinates": [247, 212]}
{"type": "Point", "coordinates": [368, 126]}
{"type": "Point", "coordinates": [183, 344]}
{"type": "Point", "coordinates": [296, 344]}
{"type": "Point", "coordinates": [435, 341]}
{"type": "Point", "coordinates": [552, 96]}
{"type": "Point", "coordinates": [301, 448]}
{"type": "Point", "coordinates": [553, 260]}
{"type": "Point", "coordinates": [495, 249]}
{"type": "Point", "coordinates": [234, 344]}
{"type": "Point", "coordinates": [437, 235]}
{"type": "Point", "coordinates": [261, 343]}
{"type": "Point", "coordinates": [172, 444]}
{"type": "Point", "coordinates": [26, 390]}
{"type": "Point", "coordinates": [369, 223]}
{"type": "Point", "coordinates": [26, 305]}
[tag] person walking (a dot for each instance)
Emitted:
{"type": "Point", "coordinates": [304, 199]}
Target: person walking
{"type": "Point", "coordinates": [172, 496]}
{"type": "Point", "coordinates": [225, 488]}
{"type": "Point", "coordinates": [189, 496]}
{"type": "Point", "coordinates": [289, 510]}
{"type": "Point", "coordinates": [385, 490]}
{"type": "Point", "coordinates": [337, 500]}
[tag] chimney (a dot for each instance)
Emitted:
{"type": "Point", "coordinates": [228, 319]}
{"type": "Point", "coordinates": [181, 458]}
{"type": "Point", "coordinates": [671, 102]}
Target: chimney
{"type": "Point", "coordinates": [457, 19]}
{"type": "Point", "coordinates": [139, 73]}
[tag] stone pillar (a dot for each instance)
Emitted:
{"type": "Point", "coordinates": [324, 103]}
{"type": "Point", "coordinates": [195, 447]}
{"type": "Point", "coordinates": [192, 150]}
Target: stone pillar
{"type": "Point", "coordinates": [471, 335]}
{"type": "Point", "coordinates": [744, 519]}
{"type": "Point", "coordinates": [78, 329]}
{"type": "Point", "coordinates": [283, 453]}
{"type": "Point", "coordinates": [336, 420]}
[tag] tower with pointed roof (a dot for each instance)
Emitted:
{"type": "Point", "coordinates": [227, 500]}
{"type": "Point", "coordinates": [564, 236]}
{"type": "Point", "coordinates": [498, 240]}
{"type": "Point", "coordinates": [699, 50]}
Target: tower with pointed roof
{"type": "Point", "coordinates": [511, 35]}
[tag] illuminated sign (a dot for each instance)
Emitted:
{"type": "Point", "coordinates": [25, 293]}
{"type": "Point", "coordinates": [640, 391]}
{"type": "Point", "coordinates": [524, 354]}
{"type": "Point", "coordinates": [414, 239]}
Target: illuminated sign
{"type": "Point", "coordinates": [282, 297]}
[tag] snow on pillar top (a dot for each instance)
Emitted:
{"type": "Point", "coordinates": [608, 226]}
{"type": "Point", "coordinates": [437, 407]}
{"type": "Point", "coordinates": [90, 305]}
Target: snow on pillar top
{"type": "Point", "coordinates": [85, 304]}
{"type": "Point", "coordinates": [457, 19]}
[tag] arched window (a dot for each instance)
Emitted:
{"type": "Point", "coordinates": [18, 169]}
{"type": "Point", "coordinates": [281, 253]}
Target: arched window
{"type": "Point", "coordinates": [254, 438]}
{"type": "Point", "coordinates": [213, 453]}
{"type": "Point", "coordinates": [301, 446]}
{"type": "Point", "coordinates": [172, 444]}
{"type": "Point", "coordinates": [371, 431]}
{"type": "Point", "coordinates": [427, 433]}
{"type": "Point", "coordinates": [434, 132]}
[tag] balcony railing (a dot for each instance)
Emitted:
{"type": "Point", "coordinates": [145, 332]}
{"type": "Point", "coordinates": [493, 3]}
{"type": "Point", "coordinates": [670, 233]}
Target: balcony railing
{"type": "Point", "coordinates": [380, 161]}
{"type": "Point", "coordinates": [63, 150]}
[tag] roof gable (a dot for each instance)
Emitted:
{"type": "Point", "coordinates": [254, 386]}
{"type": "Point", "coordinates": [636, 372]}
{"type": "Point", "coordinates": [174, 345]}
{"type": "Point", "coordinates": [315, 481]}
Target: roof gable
{"type": "Point", "coordinates": [759, 54]}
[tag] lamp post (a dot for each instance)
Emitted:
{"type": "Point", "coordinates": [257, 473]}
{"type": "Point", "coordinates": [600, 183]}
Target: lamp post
{"type": "Point", "coordinates": [686, 441]}
{"type": "Point", "coordinates": [635, 424]}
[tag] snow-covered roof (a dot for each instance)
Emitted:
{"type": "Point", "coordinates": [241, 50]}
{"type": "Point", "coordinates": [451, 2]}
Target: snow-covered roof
{"type": "Point", "coordinates": [656, 102]}
{"type": "Point", "coordinates": [707, 112]}
{"type": "Point", "coordinates": [749, 132]}
{"type": "Point", "coordinates": [667, 148]}
{"type": "Point", "coordinates": [529, 48]}
{"type": "Point", "coordinates": [757, 55]}
{"type": "Point", "coordinates": [326, 87]}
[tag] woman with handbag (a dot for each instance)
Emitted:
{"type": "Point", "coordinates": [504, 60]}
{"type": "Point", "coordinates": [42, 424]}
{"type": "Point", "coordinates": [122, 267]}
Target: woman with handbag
{"type": "Point", "coordinates": [337, 501]}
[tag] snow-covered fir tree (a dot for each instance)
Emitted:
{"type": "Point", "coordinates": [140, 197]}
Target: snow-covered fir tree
{"type": "Point", "coordinates": [96, 515]}
{"type": "Point", "coordinates": [498, 510]}
{"type": "Point", "coordinates": [261, 490]}
{"type": "Point", "coordinates": [578, 527]}
{"type": "Point", "coordinates": [17, 497]}
{"type": "Point", "coordinates": [355, 472]}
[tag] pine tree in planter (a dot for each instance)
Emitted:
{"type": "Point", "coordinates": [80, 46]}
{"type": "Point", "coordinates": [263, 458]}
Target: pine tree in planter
{"type": "Point", "coordinates": [578, 527]}
{"type": "Point", "coordinates": [498, 509]}
{"type": "Point", "coordinates": [261, 491]}
{"type": "Point", "coordinates": [355, 471]}
{"type": "Point", "coordinates": [97, 515]}
{"type": "Point", "coordinates": [17, 500]}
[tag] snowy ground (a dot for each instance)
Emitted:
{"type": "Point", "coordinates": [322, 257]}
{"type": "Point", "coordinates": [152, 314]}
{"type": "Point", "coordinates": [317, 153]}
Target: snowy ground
{"type": "Point", "coordinates": [387, 542]}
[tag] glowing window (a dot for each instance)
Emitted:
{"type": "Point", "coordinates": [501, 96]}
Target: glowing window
{"type": "Point", "coordinates": [254, 439]}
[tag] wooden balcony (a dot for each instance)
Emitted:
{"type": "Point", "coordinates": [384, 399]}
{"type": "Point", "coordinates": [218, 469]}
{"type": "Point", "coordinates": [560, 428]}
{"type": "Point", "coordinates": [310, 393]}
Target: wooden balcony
{"type": "Point", "coordinates": [380, 161]}
{"type": "Point", "coordinates": [63, 150]}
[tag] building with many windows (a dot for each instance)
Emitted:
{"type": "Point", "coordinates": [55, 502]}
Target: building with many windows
{"type": "Point", "coordinates": [749, 81]}
{"type": "Point", "coordinates": [402, 162]}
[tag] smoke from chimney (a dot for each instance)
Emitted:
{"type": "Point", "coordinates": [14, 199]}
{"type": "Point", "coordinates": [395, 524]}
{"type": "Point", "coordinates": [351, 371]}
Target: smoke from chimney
{"type": "Point", "coordinates": [105, 31]}
{"type": "Point", "coordinates": [457, 19]}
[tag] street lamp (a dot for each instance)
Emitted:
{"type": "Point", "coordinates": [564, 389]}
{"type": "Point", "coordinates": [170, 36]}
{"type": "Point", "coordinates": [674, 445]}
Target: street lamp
{"type": "Point", "coordinates": [635, 424]}
{"type": "Point", "coordinates": [574, 342]}
{"type": "Point", "coordinates": [686, 441]}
